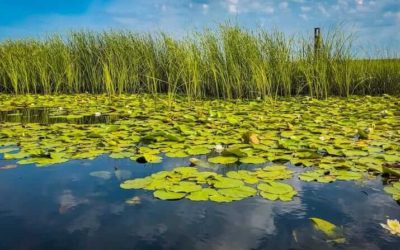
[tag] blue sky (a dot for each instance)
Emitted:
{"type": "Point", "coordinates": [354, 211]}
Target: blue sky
{"type": "Point", "coordinates": [376, 23]}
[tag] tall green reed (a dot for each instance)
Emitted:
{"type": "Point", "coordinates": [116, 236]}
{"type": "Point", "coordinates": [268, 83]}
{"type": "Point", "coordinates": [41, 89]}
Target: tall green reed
{"type": "Point", "coordinates": [229, 62]}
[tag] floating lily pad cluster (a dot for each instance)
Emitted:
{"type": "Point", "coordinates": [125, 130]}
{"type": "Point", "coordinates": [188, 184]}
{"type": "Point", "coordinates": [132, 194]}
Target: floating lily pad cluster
{"type": "Point", "coordinates": [326, 176]}
{"type": "Point", "coordinates": [190, 183]}
{"type": "Point", "coordinates": [343, 139]}
{"type": "Point", "coordinates": [394, 190]}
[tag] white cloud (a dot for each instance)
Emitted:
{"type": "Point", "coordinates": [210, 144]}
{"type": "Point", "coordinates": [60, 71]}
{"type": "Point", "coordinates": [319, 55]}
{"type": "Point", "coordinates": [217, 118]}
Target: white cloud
{"type": "Point", "coordinates": [304, 16]}
{"type": "Point", "coordinates": [283, 5]}
{"type": "Point", "coordinates": [232, 8]}
{"type": "Point", "coordinates": [305, 8]}
{"type": "Point", "coordinates": [180, 16]}
{"type": "Point", "coordinates": [359, 2]}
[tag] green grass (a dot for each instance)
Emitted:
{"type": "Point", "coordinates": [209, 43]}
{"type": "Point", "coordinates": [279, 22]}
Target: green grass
{"type": "Point", "coordinates": [230, 62]}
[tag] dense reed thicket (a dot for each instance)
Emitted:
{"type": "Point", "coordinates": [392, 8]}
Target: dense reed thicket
{"type": "Point", "coordinates": [230, 62]}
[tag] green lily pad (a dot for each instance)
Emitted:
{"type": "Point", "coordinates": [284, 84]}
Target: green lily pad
{"type": "Point", "coordinates": [324, 226]}
{"type": "Point", "coordinates": [202, 194]}
{"type": "Point", "coordinates": [168, 195]}
{"type": "Point", "coordinates": [149, 158]}
{"type": "Point", "coordinates": [176, 154]}
{"type": "Point", "coordinates": [198, 151]}
{"type": "Point", "coordinates": [252, 160]}
{"type": "Point", "coordinates": [224, 182]}
{"type": "Point", "coordinates": [276, 190]}
{"type": "Point", "coordinates": [184, 187]}
{"type": "Point", "coordinates": [223, 160]}
{"type": "Point", "coordinates": [136, 183]}
{"type": "Point", "coordinates": [238, 192]}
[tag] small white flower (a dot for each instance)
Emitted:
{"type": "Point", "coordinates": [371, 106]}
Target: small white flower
{"type": "Point", "coordinates": [97, 114]}
{"type": "Point", "coordinates": [219, 148]}
{"type": "Point", "coordinates": [60, 108]}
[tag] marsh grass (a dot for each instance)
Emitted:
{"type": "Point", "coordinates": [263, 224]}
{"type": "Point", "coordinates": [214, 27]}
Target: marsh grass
{"type": "Point", "coordinates": [230, 62]}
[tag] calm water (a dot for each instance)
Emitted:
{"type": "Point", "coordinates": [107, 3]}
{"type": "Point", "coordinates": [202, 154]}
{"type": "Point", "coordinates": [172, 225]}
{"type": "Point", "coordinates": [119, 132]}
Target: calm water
{"type": "Point", "coordinates": [64, 207]}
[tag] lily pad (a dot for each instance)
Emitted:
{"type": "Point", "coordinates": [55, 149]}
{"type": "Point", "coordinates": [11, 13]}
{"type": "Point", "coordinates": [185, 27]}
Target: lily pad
{"type": "Point", "coordinates": [252, 160]}
{"type": "Point", "coordinates": [223, 159]}
{"type": "Point", "coordinates": [168, 195]}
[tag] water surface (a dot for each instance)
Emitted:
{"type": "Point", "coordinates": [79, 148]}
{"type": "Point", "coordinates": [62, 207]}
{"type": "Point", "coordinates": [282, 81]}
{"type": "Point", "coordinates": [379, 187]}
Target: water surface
{"type": "Point", "coordinates": [64, 207]}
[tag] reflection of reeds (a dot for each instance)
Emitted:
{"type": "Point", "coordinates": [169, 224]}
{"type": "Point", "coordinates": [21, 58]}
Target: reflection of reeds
{"type": "Point", "coordinates": [228, 63]}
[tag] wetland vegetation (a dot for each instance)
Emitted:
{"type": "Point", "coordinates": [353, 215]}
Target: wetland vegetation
{"type": "Point", "coordinates": [230, 62]}
{"type": "Point", "coordinates": [215, 122]}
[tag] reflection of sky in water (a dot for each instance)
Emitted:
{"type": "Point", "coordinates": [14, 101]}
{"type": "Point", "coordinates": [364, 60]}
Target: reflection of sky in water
{"type": "Point", "coordinates": [64, 207]}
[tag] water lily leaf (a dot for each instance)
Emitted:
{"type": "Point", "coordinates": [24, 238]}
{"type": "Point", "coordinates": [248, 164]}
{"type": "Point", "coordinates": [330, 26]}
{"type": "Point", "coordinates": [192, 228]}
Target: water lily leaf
{"type": "Point", "coordinates": [310, 176]}
{"type": "Point", "coordinates": [202, 194]}
{"type": "Point", "coordinates": [251, 138]}
{"type": "Point", "coordinates": [184, 187]}
{"type": "Point", "coordinates": [221, 198]}
{"type": "Point", "coordinates": [269, 196]}
{"type": "Point", "coordinates": [223, 160]}
{"type": "Point", "coordinates": [238, 192]}
{"type": "Point", "coordinates": [328, 179]}
{"type": "Point", "coordinates": [121, 155]}
{"type": "Point", "coordinates": [275, 188]}
{"type": "Point", "coordinates": [234, 152]}
{"type": "Point", "coordinates": [353, 152]}
{"type": "Point", "coordinates": [346, 175]}
{"type": "Point", "coordinates": [198, 151]}
{"type": "Point", "coordinates": [252, 160]}
{"type": "Point", "coordinates": [173, 137]}
{"type": "Point", "coordinates": [287, 196]}
{"type": "Point", "coordinates": [185, 170]}
{"type": "Point", "coordinates": [168, 195]}
{"type": "Point", "coordinates": [202, 163]}
{"type": "Point", "coordinates": [391, 158]}
{"type": "Point", "coordinates": [19, 155]}
{"type": "Point", "coordinates": [7, 150]}
{"type": "Point", "coordinates": [391, 171]}
{"type": "Point", "coordinates": [394, 190]}
{"type": "Point", "coordinates": [324, 226]}
{"type": "Point", "coordinates": [177, 154]}
{"type": "Point", "coordinates": [149, 158]}
{"type": "Point", "coordinates": [224, 182]}
{"type": "Point", "coordinates": [136, 183]}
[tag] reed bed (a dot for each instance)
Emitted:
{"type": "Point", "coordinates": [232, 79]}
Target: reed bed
{"type": "Point", "coordinates": [229, 62]}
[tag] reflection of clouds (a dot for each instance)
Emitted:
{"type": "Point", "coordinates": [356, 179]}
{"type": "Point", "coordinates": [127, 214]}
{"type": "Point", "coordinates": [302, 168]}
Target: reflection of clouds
{"type": "Point", "coordinates": [366, 212]}
{"type": "Point", "coordinates": [68, 201]}
{"type": "Point", "coordinates": [208, 225]}
{"type": "Point", "coordinates": [253, 223]}
{"type": "Point", "coordinates": [122, 175]}
{"type": "Point", "coordinates": [242, 227]}
{"type": "Point", "coordinates": [89, 220]}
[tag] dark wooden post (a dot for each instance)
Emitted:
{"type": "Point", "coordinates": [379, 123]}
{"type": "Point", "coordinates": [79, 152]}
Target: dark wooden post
{"type": "Point", "coordinates": [317, 40]}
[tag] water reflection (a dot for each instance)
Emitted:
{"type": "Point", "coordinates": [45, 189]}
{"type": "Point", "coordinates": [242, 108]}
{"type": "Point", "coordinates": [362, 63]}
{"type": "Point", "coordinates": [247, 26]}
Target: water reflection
{"type": "Point", "coordinates": [66, 207]}
{"type": "Point", "coordinates": [53, 115]}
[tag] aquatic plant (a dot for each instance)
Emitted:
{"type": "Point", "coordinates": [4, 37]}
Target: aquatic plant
{"type": "Point", "coordinates": [393, 226]}
{"type": "Point", "coordinates": [148, 129]}
{"type": "Point", "coordinates": [198, 185]}
{"type": "Point", "coordinates": [229, 62]}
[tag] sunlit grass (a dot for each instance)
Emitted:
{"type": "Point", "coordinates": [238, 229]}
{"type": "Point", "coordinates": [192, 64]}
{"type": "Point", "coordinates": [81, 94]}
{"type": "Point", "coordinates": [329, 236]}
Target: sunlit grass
{"type": "Point", "coordinates": [230, 62]}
